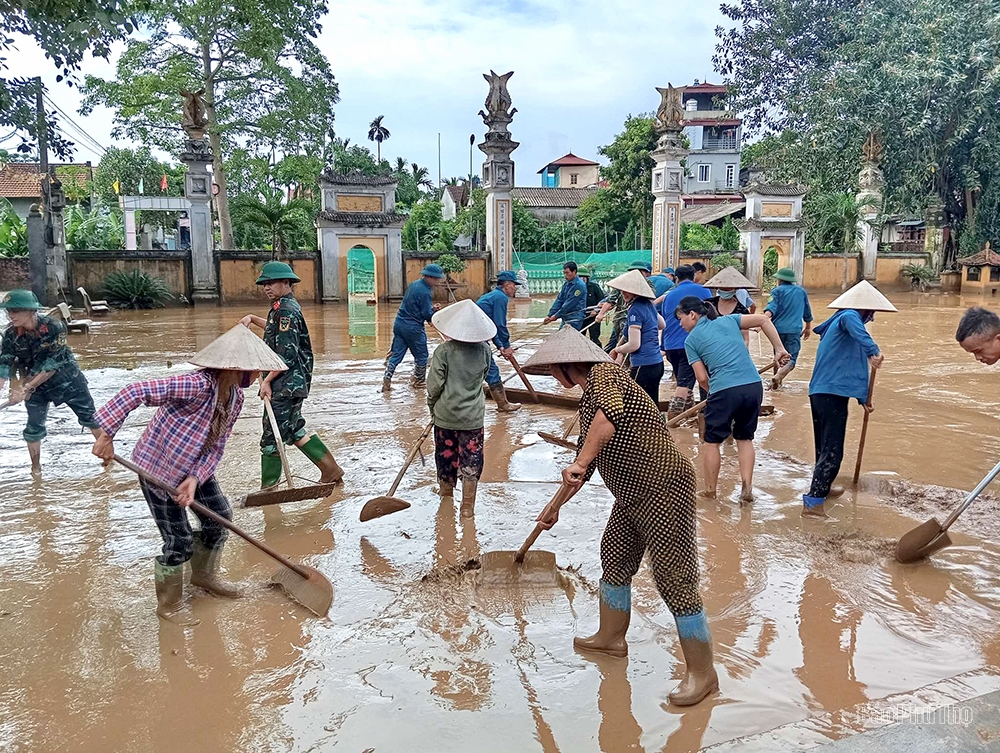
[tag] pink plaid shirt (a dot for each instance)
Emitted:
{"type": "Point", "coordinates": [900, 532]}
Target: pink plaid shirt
{"type": "Point", "coordinates": [171, 447]}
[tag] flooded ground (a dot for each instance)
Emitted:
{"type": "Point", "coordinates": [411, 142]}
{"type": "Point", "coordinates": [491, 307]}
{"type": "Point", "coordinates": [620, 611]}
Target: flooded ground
{"type": "Point", "coordinates": [818, 633]}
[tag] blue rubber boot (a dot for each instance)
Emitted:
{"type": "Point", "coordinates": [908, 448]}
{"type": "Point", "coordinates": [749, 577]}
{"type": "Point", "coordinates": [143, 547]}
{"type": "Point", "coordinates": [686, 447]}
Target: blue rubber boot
{"type": "Point", "coordinates": [700, 677]}
{"type": "Point", "coordinates": [813, 506]}
{"type": "Point", "coordinates": [616, 611]}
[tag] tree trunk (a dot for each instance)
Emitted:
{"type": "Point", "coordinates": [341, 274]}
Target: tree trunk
{"type": "Point", "coordinates": [218, 169]}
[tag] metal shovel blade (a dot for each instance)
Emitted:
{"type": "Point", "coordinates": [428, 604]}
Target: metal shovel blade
{"type": "Point", "coordinates": [379, 506]}
{"type": "Point", "coordinates": [922, 541]}
{"type": "Point", "coordinates": [559, 441]}
{"type": "Point", "coordinates": [501, 569]}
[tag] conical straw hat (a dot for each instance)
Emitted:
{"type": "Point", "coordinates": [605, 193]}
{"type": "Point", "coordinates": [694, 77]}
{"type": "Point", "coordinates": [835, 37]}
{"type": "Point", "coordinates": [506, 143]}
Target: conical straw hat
{"type": "Point", "coordinates": [565, 346]}
{"type": "Point", "coordinates": [864, 297]}
{"type": "Point", "coordinates": [238, 350]}
{"type": "Point", "coordinates": [632, 282]}
{"type": "Point", "coordinates": [464, 321]}
{"type": "Point", "coordinates": [729, 277]}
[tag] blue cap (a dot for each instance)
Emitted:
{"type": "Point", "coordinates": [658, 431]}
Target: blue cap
{"type": "Point", "coordinates": [668, 270]}
{"type": "Point", "coordinates": [507, 276]}
{"type": "Point", "coordinates": [432, 270]}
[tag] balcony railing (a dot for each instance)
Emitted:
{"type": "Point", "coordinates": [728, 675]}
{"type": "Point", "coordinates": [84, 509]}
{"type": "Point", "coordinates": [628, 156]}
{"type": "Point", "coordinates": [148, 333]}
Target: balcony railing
{"type": "Point", "coordinates": [729, 142]}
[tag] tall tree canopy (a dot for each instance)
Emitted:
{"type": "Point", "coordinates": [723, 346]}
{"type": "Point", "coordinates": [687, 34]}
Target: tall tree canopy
{"type": "Point", "coordinates": [925, 72]}
{"type": "Point", "coordinates": [268, 87]}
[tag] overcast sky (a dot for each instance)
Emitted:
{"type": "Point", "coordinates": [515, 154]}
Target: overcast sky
{"type": "Point", "coordinates": [580, 66]}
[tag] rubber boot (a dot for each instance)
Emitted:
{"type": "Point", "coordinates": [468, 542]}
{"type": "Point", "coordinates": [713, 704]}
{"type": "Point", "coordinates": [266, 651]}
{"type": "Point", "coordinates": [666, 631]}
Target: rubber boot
{"type": "Point", "coordinates": [316, 451]}
{"type": "Point", "coordinates": [386, 384]}
{"type": "Point", "coordinates": [205, 571]}
{"type": "Point", "coordinates": [616, 611]}
{"type": "Point", "coordinates": [813, 506]}
{"type": "Point", "coordinates": [780, 375]}
{"type": "Point", "coordinates": [696, 645]}
{"type": "Point", "coordinates": [270, 470]}
{"type": "Point", "coordinates": [469, 487]}
{"type": "Point", "coordinates": [446, 490]}
{"type": "Point", "coordinates": [170, 595]}
{"type": "Point", "coordinates": [675, 408]}
{"type": "Point", "coordinates": [35, 453]}
{"type": "Point", "coordinates": [420, 376]}
{"type": "Point", "coordinates": [500, 397]}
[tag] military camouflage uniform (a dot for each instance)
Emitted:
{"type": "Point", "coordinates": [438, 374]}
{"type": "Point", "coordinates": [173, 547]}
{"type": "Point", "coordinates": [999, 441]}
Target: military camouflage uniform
{"type": "Point", "coordinates": [287, 335]}
{"type": "Point", "coordinates": [45, 349]}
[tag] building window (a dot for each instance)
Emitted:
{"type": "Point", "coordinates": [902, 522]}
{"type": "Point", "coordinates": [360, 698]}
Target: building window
{"type": "Point", "coordinates": [572, 179]}
{"type": "Point", "coordinates": [704, 173]}
{"type": "Point", "coordinates": [730, 176]}
{"type": "Point", "coordinates": [972, 274]}
{"type": "Point", "coordinates": [994, 274]}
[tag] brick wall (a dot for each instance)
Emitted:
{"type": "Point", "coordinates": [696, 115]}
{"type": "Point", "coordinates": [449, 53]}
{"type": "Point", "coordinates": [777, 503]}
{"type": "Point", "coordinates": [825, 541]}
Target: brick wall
{"type": "Point", "coordinates": [14, 273]}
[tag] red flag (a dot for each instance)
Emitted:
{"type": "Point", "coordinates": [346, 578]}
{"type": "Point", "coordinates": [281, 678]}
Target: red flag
{"type": "Point", "coordinates": [163, 182]}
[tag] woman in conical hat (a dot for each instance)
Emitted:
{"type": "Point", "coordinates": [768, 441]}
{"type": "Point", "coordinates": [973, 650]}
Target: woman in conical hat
{"type": "Point", "coordinates": [727, 285]}
{"type": "Point", "coordinates": [623, 435]}
{"type": "Point", "coordinates": [182, 445]}
{"type": "Point", "coordinates": [456, 401]}
{"type": "Point", "coordinates": [641, 342]}
{"type": "Point", "coordinates": [846, 351]}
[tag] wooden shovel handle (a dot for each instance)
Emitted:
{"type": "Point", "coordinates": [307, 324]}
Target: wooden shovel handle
{"type": "Point", "coordinates": [558, 499]}
{"type": "Point", "coordinates": [278, 441]}
{"type": "Point", "coordinates": [691, 411]}
{"type": "Point", "coordinates": [572, 425]}
{"type": "Point", "coordinates": [409, 458]}
{"type": "Point", "coordinates": [864, 426]}
{"type": "Point", "coordinates": [520, 373]}
{"type": "Point", "coordinates": [202, 510]}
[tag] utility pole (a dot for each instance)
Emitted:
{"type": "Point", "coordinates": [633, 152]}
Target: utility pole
{"type": "Point", "coordinates": [472, 142]}
{"type": "Point", "coordinates": [440, 183]}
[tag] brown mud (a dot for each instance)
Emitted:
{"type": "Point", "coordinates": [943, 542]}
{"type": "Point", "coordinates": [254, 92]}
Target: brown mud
{"type": "Point", "coordinates": [814, 624]}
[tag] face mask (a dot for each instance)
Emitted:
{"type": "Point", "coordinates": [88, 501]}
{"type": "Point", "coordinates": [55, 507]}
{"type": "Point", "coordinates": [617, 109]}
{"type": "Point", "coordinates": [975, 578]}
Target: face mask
{"type": "Point", "coordinates": [727, 294]}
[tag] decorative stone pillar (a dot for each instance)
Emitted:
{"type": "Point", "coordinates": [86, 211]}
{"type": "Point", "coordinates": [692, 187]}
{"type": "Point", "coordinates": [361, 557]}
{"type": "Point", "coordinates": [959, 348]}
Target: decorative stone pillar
{"type": "Point", "coordinates": [198, 190]}
{"type": "Point", "coordinates": [668, 179]}
{"type": "Point", "coordinates": [36, 254]}
{"type": "Point", "coordinates": [498, 173]}
{"type": "Point", "coordinates": [934, 240]}
{"type": "Point", "coordinates": [56, 279]}
{"type": "Point", "coordinates": [869, 198]}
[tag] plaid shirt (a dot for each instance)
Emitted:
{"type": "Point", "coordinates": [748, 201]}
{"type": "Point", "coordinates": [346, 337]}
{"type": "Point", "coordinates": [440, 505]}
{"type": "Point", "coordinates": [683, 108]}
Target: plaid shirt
{"type": "Point", "coordinates": [172, 446]}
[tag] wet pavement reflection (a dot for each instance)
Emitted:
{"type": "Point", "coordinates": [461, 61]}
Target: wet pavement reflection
{"type": "Point", "coordinates": [812, 622]}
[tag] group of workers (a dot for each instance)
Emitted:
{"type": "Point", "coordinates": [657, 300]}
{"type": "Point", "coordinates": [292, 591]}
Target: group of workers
{"type": "Point", "coordinates": [623, 433]}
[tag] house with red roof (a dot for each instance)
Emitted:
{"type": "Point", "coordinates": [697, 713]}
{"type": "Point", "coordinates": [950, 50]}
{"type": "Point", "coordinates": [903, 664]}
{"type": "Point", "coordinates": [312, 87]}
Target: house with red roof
{"type": "Point", "coordinates": [21, 182]}
{"type": "Point", "coordinates": [570, 171]}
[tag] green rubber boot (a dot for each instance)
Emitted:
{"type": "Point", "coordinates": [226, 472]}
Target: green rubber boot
{"type": "Point", "coordinates": [270, 471]}
{"type": "Point", "coordinates": [317, 452]}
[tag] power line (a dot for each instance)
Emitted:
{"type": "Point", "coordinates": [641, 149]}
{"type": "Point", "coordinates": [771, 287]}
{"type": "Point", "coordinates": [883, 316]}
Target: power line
{"type": "Point", "coordinates": [94, 143]}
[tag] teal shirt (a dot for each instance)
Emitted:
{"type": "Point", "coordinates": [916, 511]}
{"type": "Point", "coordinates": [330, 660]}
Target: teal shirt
{"type": "Point", "coordinates": [455, 385]}
{"type": "Point", "coordinates": [719, 345]}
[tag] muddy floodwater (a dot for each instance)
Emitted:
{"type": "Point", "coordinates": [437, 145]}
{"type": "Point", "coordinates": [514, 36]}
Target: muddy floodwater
{"type": "Point", "coordinates": [818, 633]}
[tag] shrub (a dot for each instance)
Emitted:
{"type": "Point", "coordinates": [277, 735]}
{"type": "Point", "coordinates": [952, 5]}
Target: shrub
{"type": "Point", "coordinates": [726, 259]}
{"type": "Point", "coordinates": [919, 275]}
{"type": "Point", "coordinates": [135, 290]}
{"type": "Point", "coordinates": [450, 263]}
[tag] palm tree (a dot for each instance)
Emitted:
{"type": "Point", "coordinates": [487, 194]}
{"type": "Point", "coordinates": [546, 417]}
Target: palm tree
{"type": "Point", "coordinates": [421, 176]}
{"type": "Point", "coordinates": [378, 133]}
{"type": "Point", "coordinates": [838, 218]}
{"type": "Point", "coordinates": [401, 167]}
{"type": "Point", "coordinates": [269, 213]}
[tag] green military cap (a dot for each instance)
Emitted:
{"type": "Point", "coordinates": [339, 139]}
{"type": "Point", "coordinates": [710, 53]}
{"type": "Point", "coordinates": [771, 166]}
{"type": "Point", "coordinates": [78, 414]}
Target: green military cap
{"type": "Point", "coordinates": [584, 271]}
{"type": "Point", "coordinates": [277, 270]}
{"type": "Point", "coordinates": [20, 300]}
{"type": "Point", "coordinates": [785, 273]}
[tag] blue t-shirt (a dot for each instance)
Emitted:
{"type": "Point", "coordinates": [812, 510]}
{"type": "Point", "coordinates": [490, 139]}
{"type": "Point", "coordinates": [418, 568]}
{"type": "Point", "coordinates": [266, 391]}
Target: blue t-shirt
{"type": "Point", "coordinates": [661, 284]}
{"type": "Point", "coordinates": [417, 305]}
{"type": "Point", "coordinates": [789, 307]}
{"type": "Point", "coordinates": [494, 305]}
{"type": "Point", "coordinates": [642, 313]}
{"type": "Point", "coordinates": [719, 345]}
{"type": "Point", "coordinates": [674, 334]}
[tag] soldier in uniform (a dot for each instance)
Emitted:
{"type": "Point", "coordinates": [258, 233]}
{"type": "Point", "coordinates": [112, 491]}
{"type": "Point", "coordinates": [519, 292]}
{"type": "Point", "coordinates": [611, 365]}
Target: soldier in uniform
{"type": "Point", "coordinates": [572, 300]}
{"type": "Point", "coordinates": [36, 345]}
{"type": "Point", "coordinates": [285, 332]}
{"type": "Point", "coordinates": [494, 305]}
{"type": "Point", "coordinates": [408, 333]}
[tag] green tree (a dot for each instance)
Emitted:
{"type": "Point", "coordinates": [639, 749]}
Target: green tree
{"type": "Point", "coordinates": [471, 220]}
{"type": "Point", "coordinates": [630, 169]}
{"type": "Point", "coordinates": [378, 133]}
{"type": "Point", "coordinates": [823, 73]}
{"type": "Point", "coordinates": [100, 228]}
{"type": "Point", "coordinates": [267, 86]}
{"type": "Point", "coordinates": [425, 230]}
{"type": "Point", "coordinates": [281, 221]}
{"type": "Point", "coordinates": [838, 217]}
{"type": "Point", "coordinates": [128, 167]}
{"type": "Point", "coordinates": [603, 216]}
{"type": "Point", "coordinates": [13, 232]}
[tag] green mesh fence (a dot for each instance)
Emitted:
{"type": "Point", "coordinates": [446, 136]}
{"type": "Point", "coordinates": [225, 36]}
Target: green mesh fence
{"type": "Point", "coordinates": [360, 271]}
{"type": "Point", "coordinates": [545, 273]}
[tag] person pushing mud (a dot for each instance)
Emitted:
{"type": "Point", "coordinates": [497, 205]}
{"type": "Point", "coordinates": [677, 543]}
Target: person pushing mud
{"type": "Point", "coordinates": [494, 305]}
{"type": "Point", "coordinates": [36, 344]}
{"type": "Point", "coordinates": [286, 333]}
{"type": "Point", "coordinates": [408, 332]}
{"type": "Point", "coordinates": [624, 436]}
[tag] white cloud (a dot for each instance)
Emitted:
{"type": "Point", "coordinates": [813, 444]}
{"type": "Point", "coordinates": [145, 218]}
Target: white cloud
{"type": "Point", "coordinates": [580, 68]}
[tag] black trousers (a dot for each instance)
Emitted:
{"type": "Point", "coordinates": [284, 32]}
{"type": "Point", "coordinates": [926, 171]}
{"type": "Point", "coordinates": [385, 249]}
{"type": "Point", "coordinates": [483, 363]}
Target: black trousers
{"type": "Point", "coordinates": [648, 377]}
{"type": "Point", "coordinates": [829, 415]}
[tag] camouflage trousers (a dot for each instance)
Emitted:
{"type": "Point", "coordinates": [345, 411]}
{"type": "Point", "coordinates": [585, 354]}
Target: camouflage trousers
{"type": "Point", "coordinates": [288, 413]}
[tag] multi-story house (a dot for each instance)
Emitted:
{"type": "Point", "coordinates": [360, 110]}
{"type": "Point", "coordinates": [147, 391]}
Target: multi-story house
{"type": "Point", "coordinates": [715, 133]}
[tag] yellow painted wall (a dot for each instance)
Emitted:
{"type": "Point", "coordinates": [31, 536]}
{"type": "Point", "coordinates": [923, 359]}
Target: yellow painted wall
{"type": "Point", "coordinates": [238, 279]}
{"type": "Point", "coordinates": [887, 269]}
{"type": "Point", "coordinates": [951, 282]}
{"type": "Point", "coordinates": [472, 282]}
{"type": "Point", "coordinates": [90, 273]}
{"type": "Point", "coordinates": [983, 286]}
{"type": "Point", "coordinates": [828, 271]}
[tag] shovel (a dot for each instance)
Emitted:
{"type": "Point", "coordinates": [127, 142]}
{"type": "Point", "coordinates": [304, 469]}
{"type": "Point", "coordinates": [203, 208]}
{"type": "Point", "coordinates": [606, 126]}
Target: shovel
{"type": "Point", "coordinates": [292, 493]}
{"type": "Point", "coordinates": [306, 585]}
{"type": "Point", "coordinates": [506, 567]}
{"type": "Point", "coordinates": [864, 427]}
{"type": "Point", "coordinates": [379, 506]}
{"type": "Point", "coordinates": [562, 441]}
{"type": "Point", "coordinates": [932, 536]}
{"type": "Point", "coordinates": [517, 368]}
{"type": "Point", "coordinates": [676, 420]}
